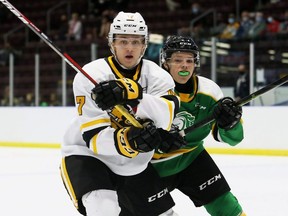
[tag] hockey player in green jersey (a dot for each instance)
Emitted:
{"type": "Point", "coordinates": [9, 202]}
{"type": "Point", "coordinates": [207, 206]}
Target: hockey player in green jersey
{"type": "Point", "coordinates": [191, 169]}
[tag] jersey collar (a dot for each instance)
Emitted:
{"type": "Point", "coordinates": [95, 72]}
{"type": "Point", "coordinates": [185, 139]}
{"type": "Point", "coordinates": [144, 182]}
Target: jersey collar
{"type": "Point", "coordinates": [120, 72]}
{"type": "Point", "coordinates": [187, 91]}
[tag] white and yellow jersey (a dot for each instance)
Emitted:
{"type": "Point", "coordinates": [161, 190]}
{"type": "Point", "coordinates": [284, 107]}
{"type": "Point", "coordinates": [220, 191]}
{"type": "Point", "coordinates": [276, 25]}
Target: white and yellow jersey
{"type": "Point", "coordinates": [91, 133]}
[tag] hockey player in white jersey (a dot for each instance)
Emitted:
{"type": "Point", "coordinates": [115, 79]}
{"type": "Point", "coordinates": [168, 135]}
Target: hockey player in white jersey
{"type": "Point", "coordinates": [105, 158]}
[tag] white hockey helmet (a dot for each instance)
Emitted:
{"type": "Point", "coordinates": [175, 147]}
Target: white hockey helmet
{"type": "Point", "coordinates": [128, 23]}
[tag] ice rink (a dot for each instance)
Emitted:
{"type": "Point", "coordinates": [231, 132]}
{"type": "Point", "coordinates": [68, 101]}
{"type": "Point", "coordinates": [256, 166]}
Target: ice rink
{"type": "Point", "coordinates": [30, 184]}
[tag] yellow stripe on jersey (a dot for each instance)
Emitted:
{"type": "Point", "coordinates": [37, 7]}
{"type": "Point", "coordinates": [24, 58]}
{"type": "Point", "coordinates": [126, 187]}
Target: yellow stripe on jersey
{"type": "Point", "coordinates": [171, 92]}
{"type": "Point", "coordinates": [171, 112]}
{"type": "Point", "coordinates": [158, 156]}
{"type": "Point", "coordinates": [67, 182]}
{"type": "Point", "coordinates": [95, 122]}
{"type": "Point", "coordinates": [93, 144]}
{"type": "Point", "coordinates": [185, 97]}
{"type": "Point", "coordinates": [117, 72]}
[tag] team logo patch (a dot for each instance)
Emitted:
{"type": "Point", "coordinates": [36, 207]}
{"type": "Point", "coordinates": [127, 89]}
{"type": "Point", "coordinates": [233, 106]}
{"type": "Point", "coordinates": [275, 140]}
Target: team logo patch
{"type": "Point", "coordinates": [184, 120]}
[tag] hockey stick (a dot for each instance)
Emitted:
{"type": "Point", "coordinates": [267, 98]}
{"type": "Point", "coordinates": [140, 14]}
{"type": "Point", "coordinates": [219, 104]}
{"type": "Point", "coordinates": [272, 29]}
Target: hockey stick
{"type": "Point", "coordinates": [65, 56]}
{"type": "Point", "coordinates": [241, 102]}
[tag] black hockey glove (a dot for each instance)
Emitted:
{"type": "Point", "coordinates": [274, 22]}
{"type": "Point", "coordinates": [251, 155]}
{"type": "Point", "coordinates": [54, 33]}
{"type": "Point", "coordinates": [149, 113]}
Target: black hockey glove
{"type": "Point", "coordinates": [227, 114]}
{"type": "Point", "coordinates": [171, 140]}
{"type": "Point", "coordinates": [121, 91]}
{"type": "Point", "coordinates": [131, 140]}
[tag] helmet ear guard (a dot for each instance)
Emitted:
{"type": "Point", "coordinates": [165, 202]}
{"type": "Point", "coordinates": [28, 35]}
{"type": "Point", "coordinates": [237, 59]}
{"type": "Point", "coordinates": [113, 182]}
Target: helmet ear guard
{"type": "Point", "coordinates": [179, 44]}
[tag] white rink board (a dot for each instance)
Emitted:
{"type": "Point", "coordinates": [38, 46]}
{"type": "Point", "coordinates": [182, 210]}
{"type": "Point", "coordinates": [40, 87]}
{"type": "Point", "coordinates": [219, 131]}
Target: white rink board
{"type": "Point", "coordinates": [264, 127]}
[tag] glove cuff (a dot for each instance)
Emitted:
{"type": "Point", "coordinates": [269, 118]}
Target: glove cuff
{"type": "Point", "coordinates": [122, 143]}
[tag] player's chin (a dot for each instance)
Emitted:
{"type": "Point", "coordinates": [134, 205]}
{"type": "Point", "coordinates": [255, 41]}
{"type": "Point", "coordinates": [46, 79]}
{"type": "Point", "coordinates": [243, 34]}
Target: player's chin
{"type": "Point", "coordinates": [182, 80]}
{"type": "Point", "coordinates": [129, 62]}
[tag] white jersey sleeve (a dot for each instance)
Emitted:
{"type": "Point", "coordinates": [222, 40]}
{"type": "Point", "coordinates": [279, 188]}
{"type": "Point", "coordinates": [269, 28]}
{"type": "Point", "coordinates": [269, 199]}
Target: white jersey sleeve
{"type": "Point", "coordinates": [91, 117]}
{"type": "Point", "coordinates": [209, 87]}
{"type": "Point", "coordinates": [156, 82]}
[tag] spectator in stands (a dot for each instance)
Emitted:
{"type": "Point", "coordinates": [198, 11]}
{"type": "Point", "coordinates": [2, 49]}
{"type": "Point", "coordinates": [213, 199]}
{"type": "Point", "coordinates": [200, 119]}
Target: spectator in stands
{"type": "Point", "coordinates": [62, 30]}
{"type": "Point", "coordinates": [283, 27]}
{"type": "Point", "coordinates": [5, 99]}
{"type": "Point", "coordinates": [259, 26]}
{"type": "Point", "coordinates": [53, 100]}
{"type": "Point", "coordinates": [74, 28]}
{"type": "Point", "coordinates": [231, 28]}
{"type": "Point", "coordinates": [6, 51]}
{"type": "Point", "coordinates": [242, 84]}
{"type": "Point", "coordinates": [221, 24]}
{"type": "Point", "coordinates": [195, 29]}
{"type": "Point", "coordinates": [101, 25]}
{"type": "Point", "coordinates": [272, 27]}
{"type": "Point", "coordinates": [29, 99]}
{"type": "Point", "coordinates": [106, 20]}
{"type": "Point", "coordinates": [245, 24]}
{"type": "Point", "coordinates": [172, 5]}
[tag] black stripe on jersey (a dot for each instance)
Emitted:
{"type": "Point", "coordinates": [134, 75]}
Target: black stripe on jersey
{"type": "Point", "coordinates": [87, 136]}
{"type": "Point", "coordinates": [215, 132]}
{"type": "Point", "coordinates": [174, 99]}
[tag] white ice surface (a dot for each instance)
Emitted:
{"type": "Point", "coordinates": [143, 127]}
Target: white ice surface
{"type": "Point", "coordinates": [30, 184]}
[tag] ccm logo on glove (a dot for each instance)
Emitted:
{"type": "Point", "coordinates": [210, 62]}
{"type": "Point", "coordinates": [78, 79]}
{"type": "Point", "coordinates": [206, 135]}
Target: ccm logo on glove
{"type": "Point", "coordinates": [120, 91]}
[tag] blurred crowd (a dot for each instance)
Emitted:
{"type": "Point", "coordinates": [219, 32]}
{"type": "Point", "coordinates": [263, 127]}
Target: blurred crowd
{"type": "Point", "coordinates": [95, 23]}
{"type": "Point", "coordinates": [226, 26]}
{"type": "Point", "coordinates": [250, 25]}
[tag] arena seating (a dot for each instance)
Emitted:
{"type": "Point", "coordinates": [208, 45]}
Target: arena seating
{"type": "Point", "coordinates": [159, 19]}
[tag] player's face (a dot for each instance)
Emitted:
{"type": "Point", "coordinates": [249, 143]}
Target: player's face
{"type": "Point", "coordinates": [128, 49]}
{"type": "Point", "coordinates": [181, 66]}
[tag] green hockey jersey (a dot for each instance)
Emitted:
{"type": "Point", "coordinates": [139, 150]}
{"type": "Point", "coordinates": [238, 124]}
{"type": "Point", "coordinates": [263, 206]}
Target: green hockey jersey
{"type": "Point", "coordinates": [196, 105]}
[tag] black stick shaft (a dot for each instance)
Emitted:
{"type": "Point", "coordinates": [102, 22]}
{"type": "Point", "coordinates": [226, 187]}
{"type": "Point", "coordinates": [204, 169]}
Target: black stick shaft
{"type": "Point", "coordinates": [241, 102]}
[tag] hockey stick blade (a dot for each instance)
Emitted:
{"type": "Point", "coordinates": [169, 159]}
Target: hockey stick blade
{"type": "Point", "coordinates": [65, 56]}
{"type": "Point", "coordinates": [241, 102]}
